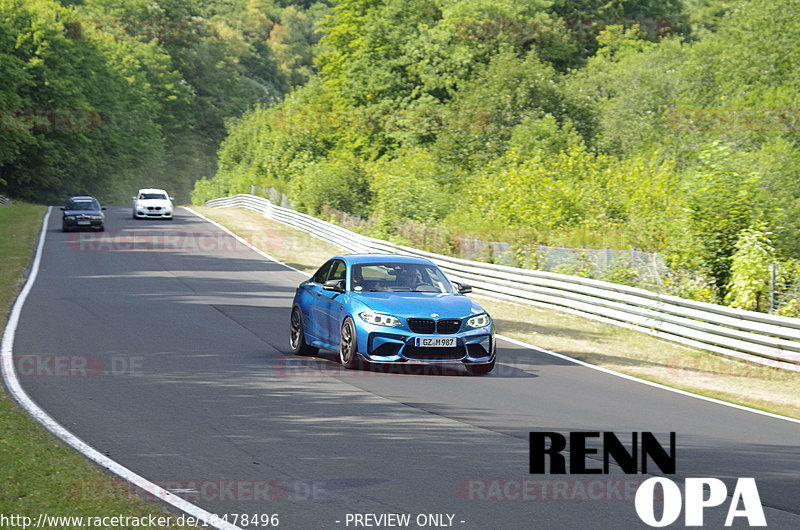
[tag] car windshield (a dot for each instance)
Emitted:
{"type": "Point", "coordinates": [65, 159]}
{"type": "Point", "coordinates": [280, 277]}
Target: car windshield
{"type": "Point", "coordinates": [398, 277]}
{"type": "Point", "coordinates": [152, 196]}
{"type": "Point", "coordinates": [83, 205]}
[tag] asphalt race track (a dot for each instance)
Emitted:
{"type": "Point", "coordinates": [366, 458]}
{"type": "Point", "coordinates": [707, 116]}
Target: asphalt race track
{"type": "Point", "coordinates": [164, 345]}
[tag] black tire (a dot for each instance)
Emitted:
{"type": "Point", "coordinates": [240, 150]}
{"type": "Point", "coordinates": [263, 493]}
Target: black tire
{"type": "Point", "coordinates": [64, 228]}
{"type": "Point", "coordinates": [297, 339]}
{"type": "Point", "coordinates": [348, 345]}
{"type": "Point", "coordinates": [480, 369]}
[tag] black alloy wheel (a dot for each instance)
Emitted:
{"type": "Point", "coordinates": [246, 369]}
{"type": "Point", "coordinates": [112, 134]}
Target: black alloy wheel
{"type": "Point", "coordinates": [297, 339]}
{"type": "Point", "coordinates": [347, 345]}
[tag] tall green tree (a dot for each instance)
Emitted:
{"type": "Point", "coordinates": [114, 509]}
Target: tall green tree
{"type": "Point", "coordinates": [750, 271]}
{"type": "Point", "coordinates": [84, 111]}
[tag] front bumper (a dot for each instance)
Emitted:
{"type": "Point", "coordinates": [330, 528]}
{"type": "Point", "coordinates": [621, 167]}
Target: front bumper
{"type": "Point", "coordinates": [153, 214]}
{"type": "Point", "coordinates": [81, 223]}
{"type": "Point", "coordinates": [384, 345]}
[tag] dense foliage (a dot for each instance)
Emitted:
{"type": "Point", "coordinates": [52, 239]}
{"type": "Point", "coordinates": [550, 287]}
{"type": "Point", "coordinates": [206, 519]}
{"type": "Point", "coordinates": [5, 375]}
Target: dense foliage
{"type": "Point", "coordinates": [670, 126]}
{"type": "Point", "coordinates": [667, 126]}
{"type": "Point", "coordinates": [105, 96]}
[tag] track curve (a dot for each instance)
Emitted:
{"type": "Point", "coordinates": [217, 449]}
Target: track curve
{"type": "Point", "coordinates": [164, 345]}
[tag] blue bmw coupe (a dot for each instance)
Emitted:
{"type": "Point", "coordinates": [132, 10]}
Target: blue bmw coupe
{"type": "Point", "coordinates": [390, 309]}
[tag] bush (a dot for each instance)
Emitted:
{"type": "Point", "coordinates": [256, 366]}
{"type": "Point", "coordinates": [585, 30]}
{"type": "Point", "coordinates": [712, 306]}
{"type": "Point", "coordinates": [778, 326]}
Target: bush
{"type": "Point", "coordinates": [621, 275]}
{"type": "Point", "coordinates": [790, 308]}
{"type": "Point", "coordinates": [336, 184]}
{"type": "Point", "coordinates": [412, 187]}
{"type": "Point", "coordinates": [750, 271]}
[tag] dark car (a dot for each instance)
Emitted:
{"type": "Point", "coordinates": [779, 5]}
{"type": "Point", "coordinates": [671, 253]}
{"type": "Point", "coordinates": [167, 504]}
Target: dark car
{"type": "Point", "coordinates": [391, 309]}
{"type": "Point", "coordinates": [82, 212]}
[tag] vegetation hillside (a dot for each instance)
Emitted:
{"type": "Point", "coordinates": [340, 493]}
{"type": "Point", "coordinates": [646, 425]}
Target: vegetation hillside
{"type": "Point", "coordinates": [105, 96]}
{"type": "Point", "coordinates": [665, 125]}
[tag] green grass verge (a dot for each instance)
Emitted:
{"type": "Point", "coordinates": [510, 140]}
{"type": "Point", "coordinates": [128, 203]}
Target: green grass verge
{"type": "Point", "coordinates": [39, 474]}
{"type": "Point", "coordinates": [611, 347]}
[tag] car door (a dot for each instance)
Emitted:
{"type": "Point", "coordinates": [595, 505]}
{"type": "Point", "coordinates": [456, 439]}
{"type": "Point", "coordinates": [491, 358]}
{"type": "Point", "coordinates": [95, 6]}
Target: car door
{"type": "Point", "coordinates": [330, 306]}
{"type": "Point", "coordinates": [311, 300]}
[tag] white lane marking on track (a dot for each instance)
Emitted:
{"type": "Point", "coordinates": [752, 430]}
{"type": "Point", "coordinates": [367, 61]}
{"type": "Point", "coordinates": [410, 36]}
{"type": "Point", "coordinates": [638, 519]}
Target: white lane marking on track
{"type": "Point", "coordinates": [644, 381]}
{"type": "Point", "coordinates": [14, 387]}
{"type": "Point", "coordinates": [245, 242]}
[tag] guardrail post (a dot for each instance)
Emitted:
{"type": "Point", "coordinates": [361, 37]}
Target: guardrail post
{"type": "Point", "coordinates": [772, 288]}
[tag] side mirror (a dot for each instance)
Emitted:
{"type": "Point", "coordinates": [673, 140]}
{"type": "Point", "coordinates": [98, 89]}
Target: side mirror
{"type": "Point", "coordinates": [172, 198]}
{"type": "Point", "coordinates": [63, 208]}
{"type": "Point", "coordinates": [334, 285]}
{"type": "Point", "coordinates": [102, 207]}
{"type": "Point", "coordinates": [463, 288]}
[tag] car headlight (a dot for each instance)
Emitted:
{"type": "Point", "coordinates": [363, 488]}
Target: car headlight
{"type": "Point", "coordinates": [478, 321]}
{"type": "Point", "coordinates": [379, 319]}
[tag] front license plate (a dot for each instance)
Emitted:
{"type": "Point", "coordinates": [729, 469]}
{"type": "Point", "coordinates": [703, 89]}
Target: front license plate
{"type": "Point", "coordinates": [84, 223]}
{"type": "Point", "coordinates": [435, 342]}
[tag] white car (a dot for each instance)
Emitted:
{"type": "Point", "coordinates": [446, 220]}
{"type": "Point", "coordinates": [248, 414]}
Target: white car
{"type": "Point", "coordinates": [152, 203]}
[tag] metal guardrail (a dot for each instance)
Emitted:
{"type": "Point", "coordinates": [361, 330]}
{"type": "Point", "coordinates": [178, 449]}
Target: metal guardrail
{"type": "Point", "coordinates": [5, 201]}
{"type": "Point", "coordinates": [756, 337]}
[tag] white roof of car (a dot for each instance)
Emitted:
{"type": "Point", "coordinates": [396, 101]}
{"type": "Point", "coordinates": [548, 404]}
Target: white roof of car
{"type": "Point", "coordinates": [152, 190]}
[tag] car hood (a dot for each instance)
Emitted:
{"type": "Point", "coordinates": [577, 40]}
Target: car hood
{"type": "Point", "coordinates": [153, 202]}
{"type": "Point", "coordinates": [422, 305]}
{"type": "Point", "coordinates": [83, 212]}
